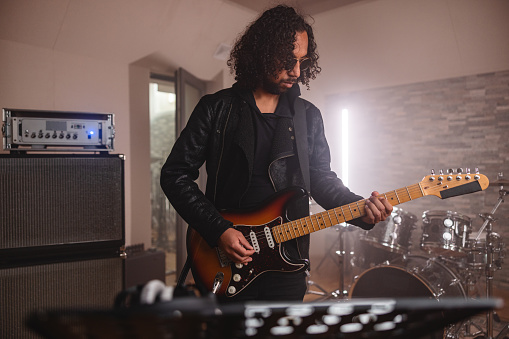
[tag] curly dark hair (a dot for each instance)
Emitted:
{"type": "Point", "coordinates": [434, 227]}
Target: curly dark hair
{"type": "Point", "coordinates": [267, 45]}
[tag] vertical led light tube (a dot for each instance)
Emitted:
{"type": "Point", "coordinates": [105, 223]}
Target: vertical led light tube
{"type": "Point", "coordinates": [344, 146]}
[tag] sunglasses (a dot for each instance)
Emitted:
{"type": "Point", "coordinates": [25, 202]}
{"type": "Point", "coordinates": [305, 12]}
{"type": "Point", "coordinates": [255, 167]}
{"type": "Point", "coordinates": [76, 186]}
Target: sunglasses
{"type": "Point", "coordinates": [304, 63]}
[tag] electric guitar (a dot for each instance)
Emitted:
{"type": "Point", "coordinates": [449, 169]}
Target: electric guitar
{"type": "Point", "coordinates": [267, 227]}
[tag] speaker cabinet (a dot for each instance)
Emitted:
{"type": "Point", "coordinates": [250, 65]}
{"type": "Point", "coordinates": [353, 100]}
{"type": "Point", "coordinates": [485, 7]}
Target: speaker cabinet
{"type": "Point", "coordinates": [61, 199]}
{"type": "Point", "coordinates": [61, 235]}
{"type": "Point", "coordinates": [80, 284]}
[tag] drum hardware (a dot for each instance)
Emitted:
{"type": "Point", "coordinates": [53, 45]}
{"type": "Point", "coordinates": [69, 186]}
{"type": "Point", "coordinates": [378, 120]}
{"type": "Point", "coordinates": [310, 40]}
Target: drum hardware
{"type": "Point", "coordinates": [322, 292]}
{"type": "Point", "coordinates": [340, 262]}
{"type": "Point", "coordinates": [491, 265]}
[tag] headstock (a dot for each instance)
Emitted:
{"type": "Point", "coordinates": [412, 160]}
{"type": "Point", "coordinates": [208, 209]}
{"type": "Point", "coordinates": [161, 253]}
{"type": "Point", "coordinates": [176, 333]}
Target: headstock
{"type": "Point", "coordinates": [453, 183]}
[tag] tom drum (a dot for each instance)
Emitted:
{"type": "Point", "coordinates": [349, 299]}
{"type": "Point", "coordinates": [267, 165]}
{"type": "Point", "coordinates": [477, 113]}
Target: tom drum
{"type": "Point", "coordinates": [445, 233]}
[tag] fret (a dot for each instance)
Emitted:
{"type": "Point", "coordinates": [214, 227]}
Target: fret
{"type": "Point", "coordinates": [319, 220]}
{"type": "Point", "coordinates": [409, 195]}
{"type": "Point", "coordinates": [362, 207]}
{"type": "Point", "coordinates": [396, 193]}
{"type": "Point", "coordinates": [341, 217]}
{"type": "Point", "coordinates": [420, 188]}
{"type": "Point", "coordinates": [277, 234]}
{"type": "Point", "coordinates": [330, 219]}
{"type": "Point", "coordinates": [297, 227]}
{"type": "Point", "coordinates": [311, 222]}
{"type": "Point", "coordinates": [421, 192]}
{"type": "Point", "coordinates": [292, 230]}
{"type": "Point", "coordinates": [305, 229]}
{"type": "Point", "coordinates": [358, 209]}
{"type": "Point", "coordinates": [337, 218]}
{"type": "Point", "coordinates": [286, 232]}
{"type": "Point", "coordinates": [344, 215]}
{"type": "Point", "coordinates": [295, 235]}
{"type": "Point", "coordinates": [402, 193]}
{"type": "Point", "coordinates": [289, 231]}
{"type": "Point", "coordinates": [350, 209]}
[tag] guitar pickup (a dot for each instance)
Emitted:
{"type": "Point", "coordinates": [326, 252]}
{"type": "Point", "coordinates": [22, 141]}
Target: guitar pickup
{"type": "Point", "coordinates": [254, 241]}
{"type": "Point", "coordinates": [268, 236]}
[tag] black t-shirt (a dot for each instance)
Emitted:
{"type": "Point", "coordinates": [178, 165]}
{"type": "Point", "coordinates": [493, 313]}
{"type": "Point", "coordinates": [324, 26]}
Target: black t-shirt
{"type": "Point", "coordinates": [261, 186]}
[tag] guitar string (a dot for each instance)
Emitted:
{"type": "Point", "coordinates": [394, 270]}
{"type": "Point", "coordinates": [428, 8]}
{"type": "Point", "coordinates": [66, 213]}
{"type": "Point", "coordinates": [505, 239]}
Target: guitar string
{"type": "Point", "coordinates": [410, 190]}
{"type": "Point", "coordinates": [261, 234]}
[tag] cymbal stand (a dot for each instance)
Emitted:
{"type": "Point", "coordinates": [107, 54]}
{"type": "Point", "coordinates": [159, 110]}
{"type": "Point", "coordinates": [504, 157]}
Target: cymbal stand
{"type": "Point", "coordinates": [490, 262]}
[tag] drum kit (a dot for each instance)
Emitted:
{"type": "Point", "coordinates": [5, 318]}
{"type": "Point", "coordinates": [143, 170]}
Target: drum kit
{"type": "Point", "coordinates": [455, 261]}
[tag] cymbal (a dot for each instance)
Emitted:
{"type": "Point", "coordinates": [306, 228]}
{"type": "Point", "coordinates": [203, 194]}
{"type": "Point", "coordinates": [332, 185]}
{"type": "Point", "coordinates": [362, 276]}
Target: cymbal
{"type": "Point", "coordinates": [499, 182]}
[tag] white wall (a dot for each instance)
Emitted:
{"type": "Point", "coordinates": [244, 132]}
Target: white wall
{"type": "Point", "coordinates": [390, 42]}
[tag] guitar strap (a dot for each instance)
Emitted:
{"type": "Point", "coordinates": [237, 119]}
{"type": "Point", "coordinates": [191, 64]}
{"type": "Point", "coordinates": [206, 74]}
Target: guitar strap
{"type": "Point", "coordinates": [301, 141]}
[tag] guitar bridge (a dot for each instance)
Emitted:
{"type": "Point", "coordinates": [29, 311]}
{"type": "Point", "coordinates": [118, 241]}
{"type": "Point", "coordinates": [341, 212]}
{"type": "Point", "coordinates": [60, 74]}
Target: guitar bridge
{"type": "Point", "coordinates": [224, 261]}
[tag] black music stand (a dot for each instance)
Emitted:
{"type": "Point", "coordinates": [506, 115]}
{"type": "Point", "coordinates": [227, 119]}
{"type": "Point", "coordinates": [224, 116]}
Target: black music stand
{"type": "Point", "coordinates": [191, 317]}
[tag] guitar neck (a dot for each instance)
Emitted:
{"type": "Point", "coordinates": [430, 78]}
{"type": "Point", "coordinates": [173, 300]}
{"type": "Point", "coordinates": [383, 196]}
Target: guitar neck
{"type": "Point", "coordinates": [338, 215]}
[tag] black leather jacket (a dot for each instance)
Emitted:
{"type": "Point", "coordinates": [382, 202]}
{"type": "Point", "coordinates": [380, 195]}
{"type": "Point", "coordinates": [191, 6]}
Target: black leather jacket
{"type": "Point", "coordinates": [220, 133]}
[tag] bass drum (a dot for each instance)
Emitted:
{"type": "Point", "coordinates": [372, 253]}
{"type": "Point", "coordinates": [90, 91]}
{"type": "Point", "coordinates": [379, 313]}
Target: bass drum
{"type": "Point", "coordinates": [416, 276]}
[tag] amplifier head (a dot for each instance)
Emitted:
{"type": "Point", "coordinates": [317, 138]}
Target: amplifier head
{"type": "Point", "coordinates": [57, 131]}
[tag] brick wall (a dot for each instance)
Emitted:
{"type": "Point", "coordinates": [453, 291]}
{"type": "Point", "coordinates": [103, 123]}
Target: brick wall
{"type": "Point", "coordinates": [399, 133]}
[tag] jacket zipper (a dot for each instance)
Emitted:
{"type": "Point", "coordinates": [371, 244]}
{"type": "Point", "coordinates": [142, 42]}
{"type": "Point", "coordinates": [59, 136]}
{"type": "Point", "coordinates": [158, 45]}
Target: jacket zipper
{"type": "Point", "coordinates": [222, 150]}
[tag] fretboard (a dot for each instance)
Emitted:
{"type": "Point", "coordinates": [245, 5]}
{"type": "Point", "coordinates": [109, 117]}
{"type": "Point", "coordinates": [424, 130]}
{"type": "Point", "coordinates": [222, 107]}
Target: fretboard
{"type": "Point", "coordinates": [338, 215]}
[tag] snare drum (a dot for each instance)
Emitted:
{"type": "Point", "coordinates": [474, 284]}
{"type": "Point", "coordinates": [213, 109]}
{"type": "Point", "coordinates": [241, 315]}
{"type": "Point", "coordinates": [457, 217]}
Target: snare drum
{"type": "Point", "coordinates": [393, 234]}
{"type": "Point", "coordinates": [445, 233]}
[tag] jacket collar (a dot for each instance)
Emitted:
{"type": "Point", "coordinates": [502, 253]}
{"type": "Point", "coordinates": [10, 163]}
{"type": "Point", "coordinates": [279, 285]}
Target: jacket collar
{"type": "Point", "coordinates": [286, 100]}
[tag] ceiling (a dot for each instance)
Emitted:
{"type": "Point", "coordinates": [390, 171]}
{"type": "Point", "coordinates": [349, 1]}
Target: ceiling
{"type": "Point", "coordinates": [310, 7]}
{"type": "Point", "coordinates": [165, 33]}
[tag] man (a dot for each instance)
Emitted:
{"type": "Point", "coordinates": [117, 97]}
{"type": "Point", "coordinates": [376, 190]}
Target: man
{"type": "Point", "coordinates": [246, 136]}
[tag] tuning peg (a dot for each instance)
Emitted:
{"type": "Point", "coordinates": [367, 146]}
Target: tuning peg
{"type": "Point", "coordinates": [432, 176]}
{"type": "Point", "coordinates": [459, 170]}
{"type": "Point", "coordinates": [477, 176]}
{"type": "Point", "coordinates": [450, 171]}
{"type": "Point", "coordinates": [441, 172]}
{"type": "Point", "coordinates": [468, 170]}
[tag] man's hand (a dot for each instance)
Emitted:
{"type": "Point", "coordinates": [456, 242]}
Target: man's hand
{"type": "Point", "coordinates": [377, 209]}
{"type": "Point", "coordinates": [235, 246]}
